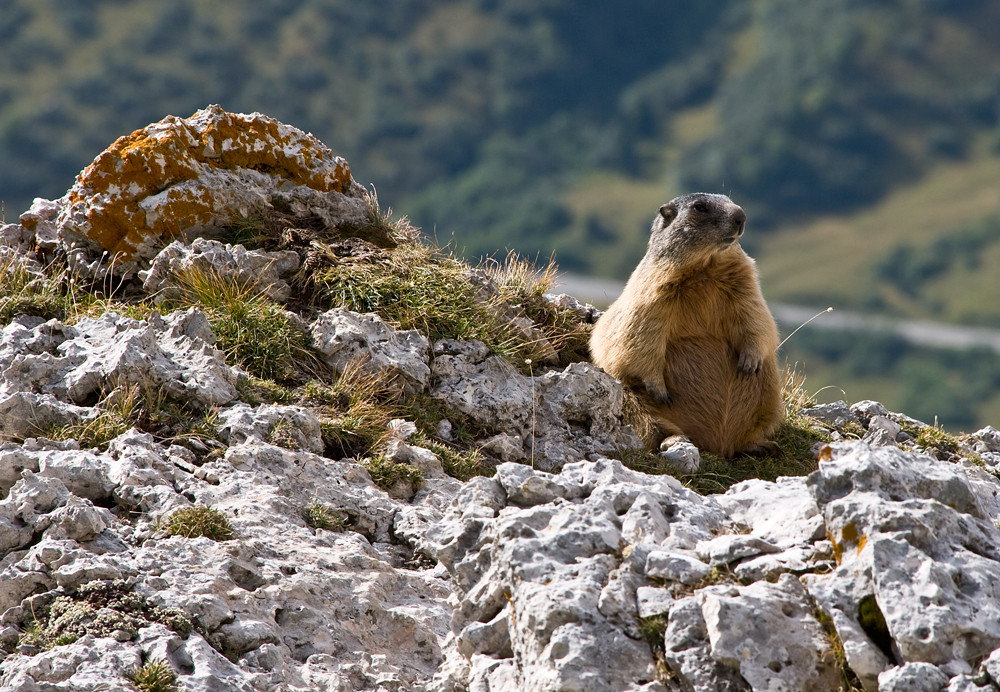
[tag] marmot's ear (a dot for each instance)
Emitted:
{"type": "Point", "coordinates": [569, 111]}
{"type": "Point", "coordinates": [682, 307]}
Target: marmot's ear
{"type": "Point", "coordinates": [668, 212]}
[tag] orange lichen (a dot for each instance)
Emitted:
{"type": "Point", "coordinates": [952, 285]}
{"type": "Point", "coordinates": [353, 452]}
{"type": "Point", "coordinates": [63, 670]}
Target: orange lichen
{"type": "Point", "coordinates": [111, 197]}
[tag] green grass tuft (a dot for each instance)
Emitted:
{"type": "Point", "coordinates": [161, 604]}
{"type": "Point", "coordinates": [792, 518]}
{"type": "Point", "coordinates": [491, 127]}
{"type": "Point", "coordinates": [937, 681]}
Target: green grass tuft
{"type": "Point", "coordinates": [145, 408]}
{"type": "Point", "coordinates": [253, 331]}
{"type": "Point", "coordinates": [321, 516]}
{"type": "Point", "coordinates": [388, 475]}
{"type": "Point", "coordinates": [199, 520]}
{"type": "Point", "coordinates": [155, 675]}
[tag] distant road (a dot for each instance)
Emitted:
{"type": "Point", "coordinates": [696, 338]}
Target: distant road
{"type": "Point", "coordinates": [601, 292]}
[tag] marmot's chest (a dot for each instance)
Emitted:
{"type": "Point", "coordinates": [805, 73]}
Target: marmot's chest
{"type": "Point", "coordinates": [703, 306]}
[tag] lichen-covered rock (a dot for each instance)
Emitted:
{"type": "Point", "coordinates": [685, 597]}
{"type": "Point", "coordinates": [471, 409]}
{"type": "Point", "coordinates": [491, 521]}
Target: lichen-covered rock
{"type": "Point", "coordinates": [181, 176]}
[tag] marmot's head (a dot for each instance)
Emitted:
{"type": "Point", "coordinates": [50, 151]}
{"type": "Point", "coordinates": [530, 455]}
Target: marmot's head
{"type": "Point", "coordinates": [696, 226]}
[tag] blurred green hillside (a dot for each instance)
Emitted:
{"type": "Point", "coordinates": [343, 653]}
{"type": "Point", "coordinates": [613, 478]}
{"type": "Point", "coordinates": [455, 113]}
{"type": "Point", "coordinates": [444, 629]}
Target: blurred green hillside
{"type": "Point", "coordinates": [862, 138]}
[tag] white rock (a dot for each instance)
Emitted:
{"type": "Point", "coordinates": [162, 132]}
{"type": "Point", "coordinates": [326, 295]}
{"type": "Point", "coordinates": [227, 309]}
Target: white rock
{"type": "Point", "coordinates": [837, 414]}
{"type": "Point", "coordinates": [348, 339]}
{"type": "Point", "coordinates": [768, 632]}
{"type": "Point", "coordinates": [504, 447]}
{"type": "Point", "coordinates": [864, 410]}
{"type": "Point", "coordinates": [682, 455]}
{"type": "Point", "coordinates": [882, 431]}
{"type": "Point", "coordinates": [913, 538]}
{"type": "Point", "coordinates": [676, 567]}
{"type": "Point", "coordinates": [988, 439]}
{"type": "Point", "coordinates": [728, 548]}
{"type": "Point", "coordinates": [293, 427]}
{"type": "Point", "coordinates": [87, 665]}
{"type": "Point", "coordinates": [255, 271]}
{"type": "Point", "coordinates": [653, 600]}
{"type": "Point", "coordinates": [563, 416]}
{"type": "Point", "coordinates": [913, 677]}
{"type": "Point", "coordinates": [782, 513]}
{"type": "Point", "coordinates": [551, 562]}
{"type": "Point", "coordinates": [173, 355]}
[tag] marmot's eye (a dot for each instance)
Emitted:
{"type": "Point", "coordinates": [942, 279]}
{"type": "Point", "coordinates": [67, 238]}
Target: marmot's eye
{"type": "Point", "coordinates": [700, 207]}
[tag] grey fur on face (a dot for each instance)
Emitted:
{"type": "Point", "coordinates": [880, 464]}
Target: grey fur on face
{"type": "Point", "coordinates": [696, 223]}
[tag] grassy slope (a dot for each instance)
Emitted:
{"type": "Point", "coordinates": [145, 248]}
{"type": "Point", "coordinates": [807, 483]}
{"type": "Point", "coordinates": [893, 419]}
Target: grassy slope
{"type": "Point", "coordinates": [833, 260]}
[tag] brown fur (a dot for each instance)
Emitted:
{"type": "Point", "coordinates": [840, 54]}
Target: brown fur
{"type": "Point", "coordinates": [692, 335]}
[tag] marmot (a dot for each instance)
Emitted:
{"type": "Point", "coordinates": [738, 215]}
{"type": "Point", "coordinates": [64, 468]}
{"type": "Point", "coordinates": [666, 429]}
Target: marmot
{"type": "Point", "coordinates": [692, 335]}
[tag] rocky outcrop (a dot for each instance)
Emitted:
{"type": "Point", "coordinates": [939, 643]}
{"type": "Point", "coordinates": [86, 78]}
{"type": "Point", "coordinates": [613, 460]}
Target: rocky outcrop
{"type": "Point", "coordinates": [184, 176]}
{"type": "Point", "coordinates": [562, 570]}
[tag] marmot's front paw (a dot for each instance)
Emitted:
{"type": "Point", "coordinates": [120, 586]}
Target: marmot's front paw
{"type": "Point", "coordinates": [658, 393]}
{"type": "Point", "coordinates": [749, 363]}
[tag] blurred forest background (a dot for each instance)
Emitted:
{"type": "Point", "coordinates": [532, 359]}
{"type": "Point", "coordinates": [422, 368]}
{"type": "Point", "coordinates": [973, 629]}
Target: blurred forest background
{"type": "Point", "coordinates": [863, 138]}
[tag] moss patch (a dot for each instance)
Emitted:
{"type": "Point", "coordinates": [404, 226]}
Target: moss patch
{"type": "Point", "coordinates": [102, 609]}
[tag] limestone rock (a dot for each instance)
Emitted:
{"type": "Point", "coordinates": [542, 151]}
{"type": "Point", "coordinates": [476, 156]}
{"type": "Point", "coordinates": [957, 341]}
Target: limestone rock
{"type": "Point", "coordinates": [348, 340]}
{"type": "Point", "coordinates": [173, 355]}
{"type": "Point", "coordinates": [292, 427]}
{"type": "Point", "coordinates": [562, 416]}
{"type": "Point", "coordinates": [680, 454]}
{"type": "Point", "coordinates": [913, 677]}
{"type": "Point", "coordinates": [837, 414]}
{"type": "Point", "coordinates": [768, 632]}
{"type": "Point", "coordinates": [256, 271]}
{"type": "Point", "coordinates": [918, 559]}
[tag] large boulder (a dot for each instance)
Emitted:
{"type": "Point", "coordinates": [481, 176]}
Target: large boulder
{"type": "Point", "coordinates": [181, 176]}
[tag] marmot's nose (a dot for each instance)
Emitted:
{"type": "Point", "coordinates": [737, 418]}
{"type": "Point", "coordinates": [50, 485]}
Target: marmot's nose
{"type": "Point", "coordinates": [739, 220]}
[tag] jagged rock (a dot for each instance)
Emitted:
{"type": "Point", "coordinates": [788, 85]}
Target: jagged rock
{"type": "Point", "coordinates": [86, 665]}
{"type": "Point", "coordinates": [255, 271]}
{"type": "Point", "coordinates": [728, 548]}
{"type": "Point", "coordinates": [882, 431]}
{"type": "Point", "coordinates": [782, 513]}
{"type": "Point", "coordinates": [676, 567]}
{"type": "Point", "coordinates": [864, 410]}
{"type": "Point", "coordinates": [585, 311]}
{"type": "Point", "coordinates": [173, 355]}
{"type": "Point", "coordinates": [838, 414]}
{"type": "Point", "coordinates": [916, 551]}
{"type": "Point", "coordinates": [181, 176]}
{"type": "Point", "coordinates": [292, 427]}
{"type": "Point", "coordinates": [348, 340]}
{"type": "Point", "coordinates": [526, 580]}
{"type": "Point", "coordinates": [987, 439]}
{"type": "Point", "coordinates": [913, 677]}
{"type": "Point", "coordinates": [547, 563]}
{"type": "Point", "coordinates": [562, 416]}
{"type": "Point", "coordinates": [24, 414]}
{"type": "Point", "coordinates": [768, 632]}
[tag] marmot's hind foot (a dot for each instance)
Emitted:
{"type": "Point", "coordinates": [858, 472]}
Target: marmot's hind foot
{"type": "Point", "coordinates": [767, 448]}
